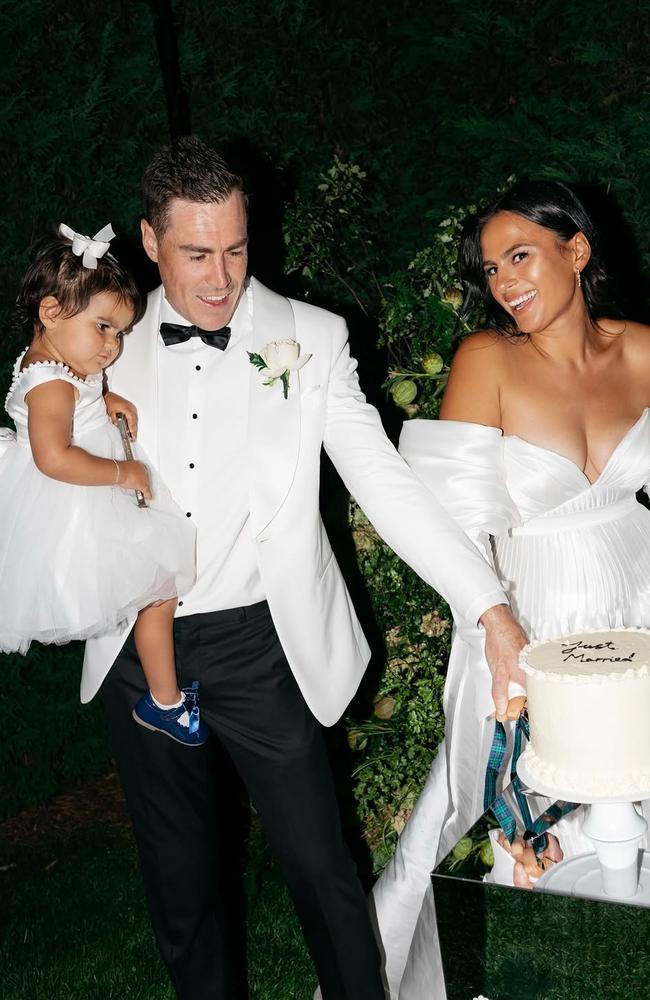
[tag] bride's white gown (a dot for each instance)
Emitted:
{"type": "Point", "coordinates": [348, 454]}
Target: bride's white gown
{"type": "Point", "coordinates": [573, 555]}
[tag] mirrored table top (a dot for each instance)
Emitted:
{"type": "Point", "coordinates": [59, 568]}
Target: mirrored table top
{"type": "Point", "coordinates": [505, 942]}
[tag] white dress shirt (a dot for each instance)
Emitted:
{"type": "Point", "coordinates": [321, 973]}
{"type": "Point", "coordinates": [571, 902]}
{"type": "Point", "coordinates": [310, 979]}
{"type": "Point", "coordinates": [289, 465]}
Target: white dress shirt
{"type": "Point", "coordinates": [204, 391]}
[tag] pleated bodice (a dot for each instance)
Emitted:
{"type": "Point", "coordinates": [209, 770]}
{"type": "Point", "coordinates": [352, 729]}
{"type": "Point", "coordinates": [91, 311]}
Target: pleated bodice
{"type": "Point", "coordinates": [570, 554]}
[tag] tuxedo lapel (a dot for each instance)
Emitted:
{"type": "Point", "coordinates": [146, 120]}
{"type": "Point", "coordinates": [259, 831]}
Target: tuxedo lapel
{"type": "Point", "coordinates": [135, 374]}
{"type": "Point", "coordinates": [274, 422]}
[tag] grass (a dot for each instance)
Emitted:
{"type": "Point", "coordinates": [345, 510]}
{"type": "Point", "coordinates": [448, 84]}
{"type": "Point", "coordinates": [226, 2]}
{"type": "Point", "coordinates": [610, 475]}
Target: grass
{"type": "Point", "coordinates": [74, 925]}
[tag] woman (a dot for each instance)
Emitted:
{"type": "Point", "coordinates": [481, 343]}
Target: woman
{"type": "Point", "coordinates": [543, 441]}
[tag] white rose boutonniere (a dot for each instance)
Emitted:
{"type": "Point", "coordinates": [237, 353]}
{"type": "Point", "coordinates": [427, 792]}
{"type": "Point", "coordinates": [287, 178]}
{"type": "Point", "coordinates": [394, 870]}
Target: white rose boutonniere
{"type": "Point", "coordinates": [277, 360]}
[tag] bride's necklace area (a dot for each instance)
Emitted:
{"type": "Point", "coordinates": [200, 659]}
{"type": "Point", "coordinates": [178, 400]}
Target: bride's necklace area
{"type": "Point", "coordinates": [589, 343]}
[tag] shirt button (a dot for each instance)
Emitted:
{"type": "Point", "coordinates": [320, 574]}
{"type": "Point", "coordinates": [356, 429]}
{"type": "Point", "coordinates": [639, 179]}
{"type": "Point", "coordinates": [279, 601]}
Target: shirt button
{"type": "Point", "coordinates": [189, 513]}
{"type": "Point", "coordinates": [194, 416]}
{"type": "Point", "coordinates": [191, 465]}
{"type": "Point", "coordinates": [198, 368]}
{"type": "Point", "coordinates": [180, 604]}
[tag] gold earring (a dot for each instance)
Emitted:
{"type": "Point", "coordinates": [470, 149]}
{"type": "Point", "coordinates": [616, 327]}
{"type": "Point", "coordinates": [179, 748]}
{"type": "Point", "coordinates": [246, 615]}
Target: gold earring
{"type": "Point", "coordinates": [578, 277]}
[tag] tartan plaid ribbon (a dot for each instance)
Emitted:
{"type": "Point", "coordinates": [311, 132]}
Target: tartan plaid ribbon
{"type": "Point", "coordinates": [534, 830]}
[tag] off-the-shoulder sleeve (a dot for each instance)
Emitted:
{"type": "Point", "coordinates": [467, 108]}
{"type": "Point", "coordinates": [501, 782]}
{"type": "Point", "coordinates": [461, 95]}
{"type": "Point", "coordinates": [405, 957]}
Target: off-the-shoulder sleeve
{"type": "Point", "coordinates": [461, 463]}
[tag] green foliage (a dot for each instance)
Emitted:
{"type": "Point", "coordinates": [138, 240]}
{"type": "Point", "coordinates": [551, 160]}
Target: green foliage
{"type": "Point", "coordinates": [392, 749]}
{"type": "Point", "coordinates": [422, 305]}
{"type": "Point", "coordinates": [326, 238]}
{"type": "Point", "coordinates": [422, 316]}
{"type": "Point", "coordinates": [420, 311]}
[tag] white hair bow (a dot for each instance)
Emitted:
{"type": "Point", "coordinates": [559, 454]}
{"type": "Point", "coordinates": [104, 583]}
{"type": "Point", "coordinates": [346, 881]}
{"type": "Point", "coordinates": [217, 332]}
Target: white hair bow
{"type": "Point", "coordinates": [92, 249]}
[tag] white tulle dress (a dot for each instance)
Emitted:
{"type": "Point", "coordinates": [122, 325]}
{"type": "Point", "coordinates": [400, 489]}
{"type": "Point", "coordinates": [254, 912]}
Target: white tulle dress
{"type": "Point", "coordinates": [571, 555]}
{"type": "Point", "coordinates": [75, 561]}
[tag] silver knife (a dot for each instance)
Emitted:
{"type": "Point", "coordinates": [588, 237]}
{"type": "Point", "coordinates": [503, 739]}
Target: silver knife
{"type": "Point", "coordinates": [128, 451]}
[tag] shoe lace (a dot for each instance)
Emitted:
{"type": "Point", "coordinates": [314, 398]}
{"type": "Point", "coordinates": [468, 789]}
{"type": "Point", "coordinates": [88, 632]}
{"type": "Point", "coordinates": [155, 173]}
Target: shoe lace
{"type": "Point", "coordinates": [191, 698]}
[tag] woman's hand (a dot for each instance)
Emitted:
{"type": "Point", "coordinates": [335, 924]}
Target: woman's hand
{"type": "Point", "coordinates": [134, 476]}
{"type": "Point", "coordinates": [117, 404]}
{"type": "Point", "coordinates": [504, 638]}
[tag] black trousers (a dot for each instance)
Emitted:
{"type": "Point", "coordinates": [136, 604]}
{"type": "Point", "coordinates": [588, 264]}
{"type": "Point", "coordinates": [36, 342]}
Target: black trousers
{"type": "Point", "coordinates": [252, 704]}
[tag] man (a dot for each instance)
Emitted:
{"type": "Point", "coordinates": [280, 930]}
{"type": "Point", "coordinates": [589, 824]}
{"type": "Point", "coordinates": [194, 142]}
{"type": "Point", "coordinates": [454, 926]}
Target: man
{"type": "Point", "coordinates": [268, 630]}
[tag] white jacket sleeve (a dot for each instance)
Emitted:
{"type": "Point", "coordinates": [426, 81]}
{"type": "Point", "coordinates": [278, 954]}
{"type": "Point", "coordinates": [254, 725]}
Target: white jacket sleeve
{"type": "Point", "coordinates": [404, 512]}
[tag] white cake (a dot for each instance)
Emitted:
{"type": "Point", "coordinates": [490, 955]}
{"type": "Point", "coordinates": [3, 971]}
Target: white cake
{"type": "Point", "coordinates": [589, 711]}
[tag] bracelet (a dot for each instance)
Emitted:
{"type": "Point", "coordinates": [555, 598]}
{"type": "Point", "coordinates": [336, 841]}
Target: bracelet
{"type": "Point", "coordinates": [117, 472]}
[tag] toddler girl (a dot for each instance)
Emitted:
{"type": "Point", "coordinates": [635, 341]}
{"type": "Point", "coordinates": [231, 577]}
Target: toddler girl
{"type": "Point", "coordinates": [78, 556]}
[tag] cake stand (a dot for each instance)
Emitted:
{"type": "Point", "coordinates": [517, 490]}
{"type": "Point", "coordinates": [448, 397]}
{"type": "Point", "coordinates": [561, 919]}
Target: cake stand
{"type": "Point", "coordinates": [618, 870]}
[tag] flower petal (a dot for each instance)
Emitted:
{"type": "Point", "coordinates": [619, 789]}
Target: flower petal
{"type": "Point", "coordinates": [299, 362]}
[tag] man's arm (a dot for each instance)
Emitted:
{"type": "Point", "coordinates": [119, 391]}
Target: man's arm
{"type": "Point", "coordinates": [412, 521]}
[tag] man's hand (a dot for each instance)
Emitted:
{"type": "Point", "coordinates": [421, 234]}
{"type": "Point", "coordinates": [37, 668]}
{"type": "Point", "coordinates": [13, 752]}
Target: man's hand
{"type": "Point", "coordinates": [504, 638]}
{"type": "Point", "coordinates": [117, 404]}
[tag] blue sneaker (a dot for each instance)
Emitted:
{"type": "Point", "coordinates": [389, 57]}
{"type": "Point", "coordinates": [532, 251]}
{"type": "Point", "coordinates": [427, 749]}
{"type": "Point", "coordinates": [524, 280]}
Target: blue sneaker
{"type": "Point", "coordinates": [191, 732]}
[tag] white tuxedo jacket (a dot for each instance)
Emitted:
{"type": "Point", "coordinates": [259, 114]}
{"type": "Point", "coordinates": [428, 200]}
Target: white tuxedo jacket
{"type": "Point", "coordinates": [309, 602]}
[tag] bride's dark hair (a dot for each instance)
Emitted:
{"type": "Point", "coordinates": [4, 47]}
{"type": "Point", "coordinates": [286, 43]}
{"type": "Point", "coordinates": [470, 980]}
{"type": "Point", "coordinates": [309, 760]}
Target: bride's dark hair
{"type": "Point", "coordinates": [557, 208]}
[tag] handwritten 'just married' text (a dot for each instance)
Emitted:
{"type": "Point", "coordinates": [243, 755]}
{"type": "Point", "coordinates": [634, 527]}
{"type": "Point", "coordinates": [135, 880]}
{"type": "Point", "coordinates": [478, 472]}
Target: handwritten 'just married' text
{"type": "Point", "coordinates": [589, 652]}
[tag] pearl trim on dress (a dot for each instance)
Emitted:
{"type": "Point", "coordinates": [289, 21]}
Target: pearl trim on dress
{"type": "Point", "coordinates": [18, 371]}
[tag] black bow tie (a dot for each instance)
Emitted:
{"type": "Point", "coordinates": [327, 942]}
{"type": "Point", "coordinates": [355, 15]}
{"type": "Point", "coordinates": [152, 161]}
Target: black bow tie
{"type": "Point", "coordinates": [174, 333]}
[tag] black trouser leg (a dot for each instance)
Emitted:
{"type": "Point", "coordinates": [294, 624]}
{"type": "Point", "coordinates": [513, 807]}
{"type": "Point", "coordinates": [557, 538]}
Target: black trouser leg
{"type": "Point", "coordinates": [171, 797]}
{"type": "Point", "coordinates": [250, 699]}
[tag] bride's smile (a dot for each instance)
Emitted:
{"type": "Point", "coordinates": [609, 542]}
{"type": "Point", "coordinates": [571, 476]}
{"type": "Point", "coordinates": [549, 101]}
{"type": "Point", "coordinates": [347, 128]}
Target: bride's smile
{"type": "Point", "coordinates": [531, 272]}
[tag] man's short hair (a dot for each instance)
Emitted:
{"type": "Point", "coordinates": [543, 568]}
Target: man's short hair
{"type": "Point", "coordinates": [186, 169]}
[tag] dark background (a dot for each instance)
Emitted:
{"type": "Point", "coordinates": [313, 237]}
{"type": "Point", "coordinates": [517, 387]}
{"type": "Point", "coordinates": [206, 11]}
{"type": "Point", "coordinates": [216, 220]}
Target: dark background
{"type": "Point", "coordinates": [438, 103]}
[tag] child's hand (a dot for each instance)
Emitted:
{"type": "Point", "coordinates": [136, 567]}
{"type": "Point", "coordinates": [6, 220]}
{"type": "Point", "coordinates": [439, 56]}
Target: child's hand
{"type": "Point", "coordinates": [117, 404]}
{"type": "Point", "coordinates": [134, 476]}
